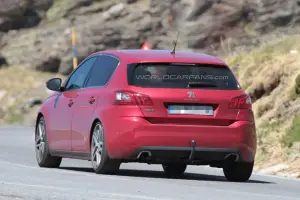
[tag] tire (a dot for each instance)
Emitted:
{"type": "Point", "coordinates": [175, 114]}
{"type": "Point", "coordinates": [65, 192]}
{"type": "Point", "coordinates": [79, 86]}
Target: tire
{"type": "Point", "coordinates": [101, 162]}
{"type": "Point", "coordinates": [174, 170]}
{"type": "Point", "coordinates": [238, 172]}
{"type": "Point", "coordinates": [43, 157]}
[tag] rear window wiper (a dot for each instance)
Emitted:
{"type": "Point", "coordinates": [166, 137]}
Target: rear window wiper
{"type": "Point", "coordinates": [200, 84]}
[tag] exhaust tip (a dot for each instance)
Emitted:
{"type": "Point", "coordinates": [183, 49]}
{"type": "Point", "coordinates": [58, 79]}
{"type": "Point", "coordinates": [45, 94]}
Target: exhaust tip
{"type": "Point", "coordinates": [144, 154]}
{"type": "Point", "coordinates": [233, 156]}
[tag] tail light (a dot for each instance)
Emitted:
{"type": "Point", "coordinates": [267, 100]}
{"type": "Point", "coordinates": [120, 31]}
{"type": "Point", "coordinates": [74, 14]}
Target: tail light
{"type": "Point", "coordinates": [132, 98]}
{"type": "Point", "coordinates": [240, 102]}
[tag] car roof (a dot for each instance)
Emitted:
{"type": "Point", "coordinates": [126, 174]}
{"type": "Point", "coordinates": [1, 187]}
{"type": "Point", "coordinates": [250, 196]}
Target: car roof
{"type": "Point", "coordinates": [137, 55]}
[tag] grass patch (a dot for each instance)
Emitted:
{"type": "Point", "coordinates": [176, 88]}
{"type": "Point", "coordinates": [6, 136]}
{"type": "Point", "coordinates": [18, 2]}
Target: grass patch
{"type": "Point", "coordinates": [261, 109]}
{"type": "Point", "coordinates": [296, 90]}
{"type": "Point", "coordinates": [293, 134]}
{"type": "Point", "coordinates": [267, 140]}
{"type": "Point", "coordinates": [15, 119]}
{"type": "Point", "coordinates": [256, 67]}
{"type": "Point", "coordinates": [266, 129]}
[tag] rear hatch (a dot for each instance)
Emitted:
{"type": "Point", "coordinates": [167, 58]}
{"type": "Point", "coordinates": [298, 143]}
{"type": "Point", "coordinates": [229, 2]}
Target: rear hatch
{"type": "Point", "coordinates": [187, 94]}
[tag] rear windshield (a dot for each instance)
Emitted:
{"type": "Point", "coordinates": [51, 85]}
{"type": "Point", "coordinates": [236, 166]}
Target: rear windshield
{"type": "Point", "coordinates": [182, 76]}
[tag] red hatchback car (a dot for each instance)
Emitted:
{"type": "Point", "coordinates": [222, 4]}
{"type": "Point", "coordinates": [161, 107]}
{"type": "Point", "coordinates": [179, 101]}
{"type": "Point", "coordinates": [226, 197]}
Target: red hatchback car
{"type": "Point", "coordinates": [152, 107]}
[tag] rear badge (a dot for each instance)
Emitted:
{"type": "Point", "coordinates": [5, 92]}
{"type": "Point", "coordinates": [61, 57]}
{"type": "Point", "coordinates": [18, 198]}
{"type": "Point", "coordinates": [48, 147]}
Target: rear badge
{"type": "Point", "coordinates": [150, 110]}
{"type": "Point", "coordinates": [191, 94]}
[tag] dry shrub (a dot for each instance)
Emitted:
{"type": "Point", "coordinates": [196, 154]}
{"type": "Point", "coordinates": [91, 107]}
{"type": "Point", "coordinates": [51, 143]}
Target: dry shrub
{"type": "Point", "coordinates": [269, 74]}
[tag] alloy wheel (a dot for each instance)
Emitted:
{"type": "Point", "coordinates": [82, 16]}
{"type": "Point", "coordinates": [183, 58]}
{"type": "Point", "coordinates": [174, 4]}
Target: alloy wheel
{"type": "Point", "coordinates": [40, 141]}
{"type": "Point", "coordinates": [97, 145]}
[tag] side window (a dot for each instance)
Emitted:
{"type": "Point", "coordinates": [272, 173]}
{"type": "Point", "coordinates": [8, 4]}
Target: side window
{"type": "Point", "coordinates": [102, 70]}
{"type": "Point", "coordinates": [78, 78]}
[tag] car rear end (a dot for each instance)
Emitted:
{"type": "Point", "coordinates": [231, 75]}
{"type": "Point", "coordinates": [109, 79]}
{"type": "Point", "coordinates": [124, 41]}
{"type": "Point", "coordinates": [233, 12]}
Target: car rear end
{"type": "Point", "coordinates": [182, 112]}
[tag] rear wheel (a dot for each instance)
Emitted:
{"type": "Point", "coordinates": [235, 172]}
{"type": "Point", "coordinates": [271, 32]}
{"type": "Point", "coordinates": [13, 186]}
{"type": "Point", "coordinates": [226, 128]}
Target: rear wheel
{"type": "Point", "coordinates": [238, 172]}
{"type": "Point", "coordinates": [174, 170]}
{"type": "Point", "coordinates": [43, 157]}
{"type": "Point", "coordinates": [101, 162]}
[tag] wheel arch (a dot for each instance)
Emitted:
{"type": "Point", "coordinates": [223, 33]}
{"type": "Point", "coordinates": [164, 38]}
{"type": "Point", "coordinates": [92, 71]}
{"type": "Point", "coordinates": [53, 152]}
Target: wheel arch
{"type": "Point", "coordinates": [91, 130]}
{"type": "Point", "coordinates": [107, 145]}
{"type": "Point", "coordinates": [99, 116]}
{"type": "Point", "coordinates": [39, 116]}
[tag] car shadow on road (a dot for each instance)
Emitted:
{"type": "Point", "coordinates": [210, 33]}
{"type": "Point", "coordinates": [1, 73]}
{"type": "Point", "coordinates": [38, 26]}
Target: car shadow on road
{"type": "Point", "coordinates": [161, 174]}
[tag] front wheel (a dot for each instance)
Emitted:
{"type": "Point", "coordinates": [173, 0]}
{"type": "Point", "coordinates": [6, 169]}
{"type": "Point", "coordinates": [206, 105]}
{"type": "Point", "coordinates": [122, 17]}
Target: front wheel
{"type": "Point", "coordinates": [101, 162]}
{"type": "Point", "coordinates": [174, 170]}
{"type": "Point", "coordinates": [238, 172]}
{"type": "Point", "coordinates": [43, 157]}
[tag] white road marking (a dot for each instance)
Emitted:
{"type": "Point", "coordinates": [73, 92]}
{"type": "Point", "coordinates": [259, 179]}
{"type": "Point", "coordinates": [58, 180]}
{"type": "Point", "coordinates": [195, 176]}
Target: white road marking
{"type": "Point", "coordinates": [145, 197]}
{"type": "Point", "coordinates": [150, 198]}
{"type": "Point", "coordinates": [64, 171]}
{"type": "Point", "coordinates": [134, 196]}
{"type": "Point", "coordinates": [100, 193]}
{"type": "Point", "coordinates": [36, 186]}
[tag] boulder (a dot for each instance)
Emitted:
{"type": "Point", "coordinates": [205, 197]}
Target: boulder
{"type": "Point", "coordinates": [17, 14]}
{"type": "Point", "coordinates": [11, 11]}
{"type": "Point", "coordinates": [3, 61]}
{"type": "Point", "coordinates": [64, 8]}
{"type": "Point", "coordinates": [272, 14]}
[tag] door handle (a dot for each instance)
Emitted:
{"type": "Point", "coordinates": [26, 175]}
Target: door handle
{"type": "Point", "coordinates": [71, 102]}
{"type": "Point", "coordinates": [92, 100]}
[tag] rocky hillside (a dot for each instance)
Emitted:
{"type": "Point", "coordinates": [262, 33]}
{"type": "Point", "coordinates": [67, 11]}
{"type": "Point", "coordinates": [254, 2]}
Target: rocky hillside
{"type": "Point", "coordinates": [36, 33]}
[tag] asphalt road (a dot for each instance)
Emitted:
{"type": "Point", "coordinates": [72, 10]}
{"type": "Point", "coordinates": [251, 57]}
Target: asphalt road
{"type": "Point", "coordinates": [21, 178]}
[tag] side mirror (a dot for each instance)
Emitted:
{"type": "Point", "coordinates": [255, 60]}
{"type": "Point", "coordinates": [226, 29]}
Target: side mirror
{"type": "Point", "coordinates": [54, 84]}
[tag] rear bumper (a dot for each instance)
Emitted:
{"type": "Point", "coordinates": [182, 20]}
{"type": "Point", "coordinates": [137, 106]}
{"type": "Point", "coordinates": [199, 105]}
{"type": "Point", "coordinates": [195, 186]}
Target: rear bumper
{"type": "Point", "coordinates": [128, 136]}
{"type": "Point", "coordinates": [184, 154]}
